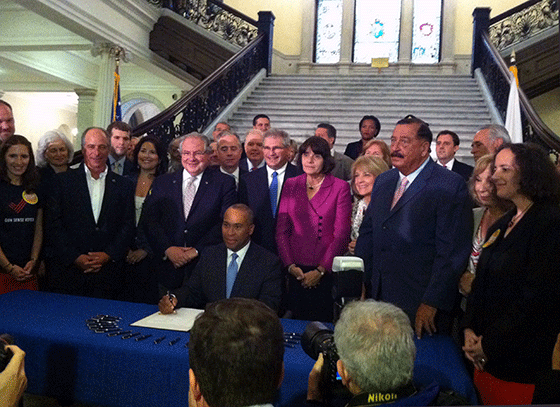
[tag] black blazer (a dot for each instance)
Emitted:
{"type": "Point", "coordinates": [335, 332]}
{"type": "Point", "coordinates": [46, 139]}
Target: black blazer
{"type": "Point", "coordinates": [354, 149]}
{"type": "Point", "coordinates": [515, 300]}
{"type": "Point", "coordinates": [259, 277]}
{"type": "Point", "coordinates": [73, 229]}
{"type": "Point", "coordinates": [464, 170]}
{"type": "Point", "coordinates": [254, 192]}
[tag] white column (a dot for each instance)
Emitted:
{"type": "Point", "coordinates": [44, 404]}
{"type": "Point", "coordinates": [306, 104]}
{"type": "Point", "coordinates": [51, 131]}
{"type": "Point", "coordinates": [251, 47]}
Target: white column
{"type": "Point", "coordinates": [86, 110]}
{"type": "Point", "coordinates": [347, 40]}
{"type": "Point", "coordinates": [448, 37]}
{"type": "Point", "coordinates": [307, 36]}
{"type": "Point", "coordinates": [104, 90]}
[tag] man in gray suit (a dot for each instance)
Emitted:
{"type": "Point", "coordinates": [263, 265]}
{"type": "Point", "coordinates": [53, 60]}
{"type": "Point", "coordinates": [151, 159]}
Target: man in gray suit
{"type": "Point", "coordinates": [343, 164]}
{"type": "Point", "coordinates": [235, 268]}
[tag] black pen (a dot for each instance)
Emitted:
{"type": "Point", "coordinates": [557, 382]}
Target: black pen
{"type": "Point", "coordinates": [119, 333]}
{"type": "Point", "coordinates": [141, 338]}
{"type": "Point", "coordinates": [130, 335]}
{"type": "Point", "coordinates": [158, 340]}
{"type": "Point", "coordinates": [174, 341]}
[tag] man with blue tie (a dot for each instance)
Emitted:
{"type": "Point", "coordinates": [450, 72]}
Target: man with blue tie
{"type": "Point", "coordinates": [235, 268]}
{"type": "Point", "coordinates": [415, 238]}
{"type": "Point", "coordinates": [261, 189]}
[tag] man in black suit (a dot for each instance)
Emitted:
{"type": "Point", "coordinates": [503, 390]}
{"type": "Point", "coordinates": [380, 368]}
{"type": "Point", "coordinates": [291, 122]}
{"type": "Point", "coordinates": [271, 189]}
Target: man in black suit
{"type": "Point", "coordinates": [255, 187]}
{"type": "Point", "coordinates": [91, 216]}
{"type": "Point", "coordinates": [229, 153]}
{"type": "Point", "coordinates": [235, 268]}
{"type": "Point", "coordinates": [447, 144]}
{"type": "Point", "coordinates": [119, 139]}
{"type": "Point", "coordinates": [254, 155]}
{"type": "Point", "coordinates": [184, 211]}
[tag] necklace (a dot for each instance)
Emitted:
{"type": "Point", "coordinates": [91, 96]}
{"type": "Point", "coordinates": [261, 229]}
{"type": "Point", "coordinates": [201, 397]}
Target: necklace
{"type": "Point", "coordinates": [518, 216]}
{"type": "Point", "coordinates": [316, 185]}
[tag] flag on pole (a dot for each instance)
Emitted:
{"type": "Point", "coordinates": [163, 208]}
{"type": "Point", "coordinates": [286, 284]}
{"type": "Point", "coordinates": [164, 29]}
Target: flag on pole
{"type": "Point", "coordinates": [513, 114]}
{"type": "Point", "coordinates": [116, 114]}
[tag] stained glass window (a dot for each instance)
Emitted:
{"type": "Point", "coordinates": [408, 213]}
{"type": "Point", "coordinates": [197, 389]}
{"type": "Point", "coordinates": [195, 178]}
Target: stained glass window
{"type": "Point", "coordinates": [329, 31]}
{"type": "Point", "coordinates": [426, 31]}
{"type": "Point", "coordinates": [377, 30]}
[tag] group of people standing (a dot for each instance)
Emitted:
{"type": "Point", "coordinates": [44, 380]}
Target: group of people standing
{"type": "Point", "coordinates": [411, 221]}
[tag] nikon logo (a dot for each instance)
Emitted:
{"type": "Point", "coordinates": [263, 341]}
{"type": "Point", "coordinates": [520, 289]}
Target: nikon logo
{"type": "Point", "coordinates": [381, 397]}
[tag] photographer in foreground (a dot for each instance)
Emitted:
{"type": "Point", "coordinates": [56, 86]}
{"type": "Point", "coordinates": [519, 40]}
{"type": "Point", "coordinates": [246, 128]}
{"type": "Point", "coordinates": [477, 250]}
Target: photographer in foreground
{"type": "Point", "coordinates": [376, 349]}
{"type": "Point", "coordinates": [13, 381]}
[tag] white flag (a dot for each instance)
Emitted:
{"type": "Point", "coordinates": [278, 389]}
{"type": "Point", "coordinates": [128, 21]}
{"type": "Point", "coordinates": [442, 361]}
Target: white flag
{"type": "Point", "coordinates": [513, 115]}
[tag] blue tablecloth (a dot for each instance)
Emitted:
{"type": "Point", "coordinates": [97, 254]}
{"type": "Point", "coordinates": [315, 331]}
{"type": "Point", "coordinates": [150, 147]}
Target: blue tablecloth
{"type": "Point", "coordinates": [66, 359]}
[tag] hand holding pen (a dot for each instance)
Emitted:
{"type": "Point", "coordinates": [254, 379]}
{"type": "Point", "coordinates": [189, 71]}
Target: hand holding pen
{"type": "Point", "coordinates": [167, 303]}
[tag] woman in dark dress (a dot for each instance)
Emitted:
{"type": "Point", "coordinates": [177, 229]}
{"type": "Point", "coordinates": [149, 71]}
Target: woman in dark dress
{"type": "Point", "coordinates": [21, 216]}
{"type": "Point", "coordinates": [141, 282]}
{"type": "Point", "coordinates": [513, 311]}
{"type": "Point", "coordinates": [54, 153]}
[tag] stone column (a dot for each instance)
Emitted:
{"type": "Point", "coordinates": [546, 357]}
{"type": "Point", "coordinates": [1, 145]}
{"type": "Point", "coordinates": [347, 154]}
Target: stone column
{"type": "Point", "coordinates": [447, 37]}
{"type": "Point", "coordinates": [307, 36]}
{"type": "Point", "coordinates": [347, 40]}
{"type": "Point", "coordinates": [405, 37]}
{"type": "Point", "coordinates": [86, 110]}
{"type": "Point", "coordinates": [103, 100]}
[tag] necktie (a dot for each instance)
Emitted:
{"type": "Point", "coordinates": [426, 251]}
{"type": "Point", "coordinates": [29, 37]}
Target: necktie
{"type": "Point", "coordinates": [274, 193]}
{"type": "Point", "coordinates": [117, 167]}
{"type": "Point", "coordinates": [254, 168]}
{"type": "Point", "coordinates": [231, 274]}
{"type": "Point", "coordinates": [188, 196]}
{"type": "Point", "coordinates": [399, 192]}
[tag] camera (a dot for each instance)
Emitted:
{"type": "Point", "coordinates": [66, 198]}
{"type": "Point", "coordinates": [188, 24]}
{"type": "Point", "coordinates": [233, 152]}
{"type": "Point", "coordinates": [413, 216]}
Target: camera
{"type": "Point", "coordinates": [5, 354]}
{"type": "Point", "coordinates": [316, 339]}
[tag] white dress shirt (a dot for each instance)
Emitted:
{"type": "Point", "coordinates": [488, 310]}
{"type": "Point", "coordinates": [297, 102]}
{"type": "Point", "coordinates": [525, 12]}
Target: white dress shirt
{"type": "Point", "coordinates": [279, 176]}
{"type": "Point", "coordinates": [96, 189]}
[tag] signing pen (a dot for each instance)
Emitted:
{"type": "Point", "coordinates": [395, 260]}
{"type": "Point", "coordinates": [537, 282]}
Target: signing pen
{"type": "Point", "coordinates": [158, 340]}
{"type": "Point", "coordinates": [174, 341]}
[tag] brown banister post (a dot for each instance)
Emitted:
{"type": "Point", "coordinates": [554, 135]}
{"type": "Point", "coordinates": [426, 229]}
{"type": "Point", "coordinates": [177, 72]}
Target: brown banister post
{"type": "Point", "coordinates": [266, 26]}
{"type": "Point", "coordinates": [481, 17]}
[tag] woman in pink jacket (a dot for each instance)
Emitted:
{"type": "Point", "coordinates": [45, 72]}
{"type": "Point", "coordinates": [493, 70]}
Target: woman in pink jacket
{"type": "Point", "coordinates": [313, 227]}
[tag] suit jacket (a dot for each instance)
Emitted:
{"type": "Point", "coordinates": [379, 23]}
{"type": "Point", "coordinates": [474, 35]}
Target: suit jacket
{"type": "Point", "coordinates": [254, 192]}
{"type": "Point", "coordinates": [343, 166]}
{"type": "Point", "coordinates": [464, 170]}
{"type": "Point", "coordinates": [73, 229]}
{"type": "Point", "coordinates": [127, 167]}
{"type": "Point", "coordinates": [354, 149]}
{"type": "Point", "coordinates": [243, 163]}
{"type": "Point", "coordinates": [515, 302]}
{"type": "Point", "coordinates": [416, 252]}
{"type": "Point", "coordinates": [166, 226]}
{"type": "Point", "coordinates": [259, 277]}
{"type": "Point", "coordinates": [312, 232]}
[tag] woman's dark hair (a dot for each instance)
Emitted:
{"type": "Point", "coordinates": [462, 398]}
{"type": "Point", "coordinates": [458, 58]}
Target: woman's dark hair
{"type": "Point", "coordinates": [162, 166]}
{"type": "Point", "coordinates": [538, 179]}
{"type": "Point", "coordinates": [318, 146]}
{"type": "Point", "coordinates": [30, 178]}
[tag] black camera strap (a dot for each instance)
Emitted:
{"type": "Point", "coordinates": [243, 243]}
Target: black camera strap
{"type": "Point", "coordinates": [378, 398]}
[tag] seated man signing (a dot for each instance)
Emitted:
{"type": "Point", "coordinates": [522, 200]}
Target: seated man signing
{"type": "Point", "coordinates": [236, 352]}
{"type": "Point", "coordinates": [235, 268]}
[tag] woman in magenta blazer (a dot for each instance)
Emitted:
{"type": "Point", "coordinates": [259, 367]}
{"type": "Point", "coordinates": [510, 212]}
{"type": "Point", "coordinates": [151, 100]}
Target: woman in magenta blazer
{"type": "Point", "coordinates": [313, 227]}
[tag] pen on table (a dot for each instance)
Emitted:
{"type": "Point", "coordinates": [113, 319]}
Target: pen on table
{"type": "Point", "coordinates": [141, 338]}
{"type": "Point", "coordinates": [130, 335]}
{"type": "Point", "coordinates": [174, 341]}
{"type": "Point", "coordinates": [158, 340]}
{"type": "Point", "coordinates": [119, 333]}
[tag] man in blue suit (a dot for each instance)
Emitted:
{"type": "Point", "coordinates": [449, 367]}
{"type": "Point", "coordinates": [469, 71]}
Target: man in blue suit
{"type": "Point", "coordinates": [184, 211]}
{"type": "Point", "coordinates": [415, 237]}
{"type": "Point", "coordinates": [254, 188]}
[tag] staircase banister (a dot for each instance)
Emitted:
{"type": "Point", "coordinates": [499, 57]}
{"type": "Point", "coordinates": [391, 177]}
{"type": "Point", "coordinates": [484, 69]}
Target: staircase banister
{"type": "Point", "coordinates": [539, 127]}
{"type": "Point", "coordinates": [179, 105]}
{"type": "Point", "coordinates": [234, 12]}
{"type": "Point", "coordinates": [512, 11]}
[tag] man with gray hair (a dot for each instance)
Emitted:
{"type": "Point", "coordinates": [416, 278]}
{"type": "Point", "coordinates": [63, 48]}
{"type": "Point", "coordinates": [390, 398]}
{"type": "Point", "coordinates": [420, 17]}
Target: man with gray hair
{"type": "Point", "coordinates": [184, 211]}
{"type": "Point", "coordinates": [375, 344]}
{"type": "Point", "coordinates": [229, 153]}
{"type": "Point", "coordinates": [261, 189]}
{"type": "Point", "coordinates": [253, 150]}
{"type": "Point", "coordinates": [488, 139]}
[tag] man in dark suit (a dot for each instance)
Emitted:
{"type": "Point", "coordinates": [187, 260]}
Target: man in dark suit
{"type": "Point", "coordinates": [416, 235]}
{"type": "Point", "coordinates": [119, 137]}
{"type": "Point", "coordinates": [447, 145]}
{"type": "Point", "coordinates": [235, 268]}
{"type": "Point", "coordinates": [254, 188]}
{"type": "Point", "coordinates": [342, 163]}
{"type": "Point", "coordinates": [369, 128]}
{"type": "Point", "coordinates": [91, 217]}
{"type": "Point", "coordinates": [229, 153]}
{"type": "Point", "coordinates": [184, 211]}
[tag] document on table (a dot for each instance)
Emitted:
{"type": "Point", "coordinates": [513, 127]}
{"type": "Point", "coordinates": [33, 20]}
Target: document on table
{"type": "Point", "coordinates": [181, 319]}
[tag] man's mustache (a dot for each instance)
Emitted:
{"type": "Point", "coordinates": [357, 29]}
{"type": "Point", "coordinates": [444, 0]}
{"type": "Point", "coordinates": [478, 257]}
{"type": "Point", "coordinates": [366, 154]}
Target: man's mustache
{"type": "Point", "coordinates": [397, 154]}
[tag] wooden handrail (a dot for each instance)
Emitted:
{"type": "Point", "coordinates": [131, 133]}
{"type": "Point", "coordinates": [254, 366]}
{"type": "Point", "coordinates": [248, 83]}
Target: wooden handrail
{"type": "Point", "coordinates": [180, 105]}
{"type": "Point", "coordinates": [539, 127]}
